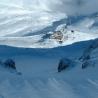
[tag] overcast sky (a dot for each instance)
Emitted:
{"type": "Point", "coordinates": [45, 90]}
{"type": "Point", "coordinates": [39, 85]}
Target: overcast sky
{"type": "Point", "coordinates": [71, 7]}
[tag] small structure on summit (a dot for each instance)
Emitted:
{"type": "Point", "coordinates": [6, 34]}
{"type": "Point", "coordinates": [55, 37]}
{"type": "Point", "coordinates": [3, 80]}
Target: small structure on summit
{"type": "Point", "coordinates": [58, 35]}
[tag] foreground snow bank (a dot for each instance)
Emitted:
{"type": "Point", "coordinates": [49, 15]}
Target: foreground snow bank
{"type": "Point", "coordinates": [40, 78]}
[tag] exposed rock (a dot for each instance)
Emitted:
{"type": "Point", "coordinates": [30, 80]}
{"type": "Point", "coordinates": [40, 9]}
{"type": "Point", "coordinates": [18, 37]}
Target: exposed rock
{"type": "Point", "coordinates": [64, 64]}
{"type": "Point", "coordinates": [86, 57]}
{"type": "Point", "coordinates": [57, 35]}
{"type": "Point", "coordinates": [85, 64]}
{"type": "Point", "coordinates": [9, 63]}
{"type": "Point", "coordinates": [89, 50]}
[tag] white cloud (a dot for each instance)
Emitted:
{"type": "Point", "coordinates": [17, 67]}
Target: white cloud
{"type": "Point", "coordinates": [70, 7]}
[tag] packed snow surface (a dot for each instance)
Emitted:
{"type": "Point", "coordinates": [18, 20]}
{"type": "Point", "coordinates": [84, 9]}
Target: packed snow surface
{"type": "Point", "coordinates": [40, 79]}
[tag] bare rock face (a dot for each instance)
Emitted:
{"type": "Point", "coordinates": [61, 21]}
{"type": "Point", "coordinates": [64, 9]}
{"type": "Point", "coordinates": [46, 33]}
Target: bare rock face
{"type": "Point", "coordinates": [85, 64]}
{"type": "Point", "coordinates": [86, 58]}
{"type": "Point", "coordinates": [9, 63]}
{"type": "Point", "coordinates": [64, 64]}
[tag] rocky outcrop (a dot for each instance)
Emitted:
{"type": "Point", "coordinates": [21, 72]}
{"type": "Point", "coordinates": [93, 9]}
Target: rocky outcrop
{"type": "Point", "coordinates": [86, 57]}
{"type": "Point", "coordinates": [58, 36]}
{"type": "Point", "coordinates": [9, 63]}
{"type": "Point", "coordinates": [64, 63]}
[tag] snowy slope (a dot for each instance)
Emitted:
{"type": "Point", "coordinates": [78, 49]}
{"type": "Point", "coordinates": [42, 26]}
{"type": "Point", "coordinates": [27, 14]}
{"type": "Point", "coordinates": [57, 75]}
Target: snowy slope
{"type": "Point", "coordinates": [40, 78]}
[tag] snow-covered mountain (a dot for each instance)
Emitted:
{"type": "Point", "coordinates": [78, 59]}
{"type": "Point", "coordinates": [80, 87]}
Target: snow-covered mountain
{"type": "Point", "coordinates": [28, 26]}
{"type": "Point", "coordinates": [38, 36]}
